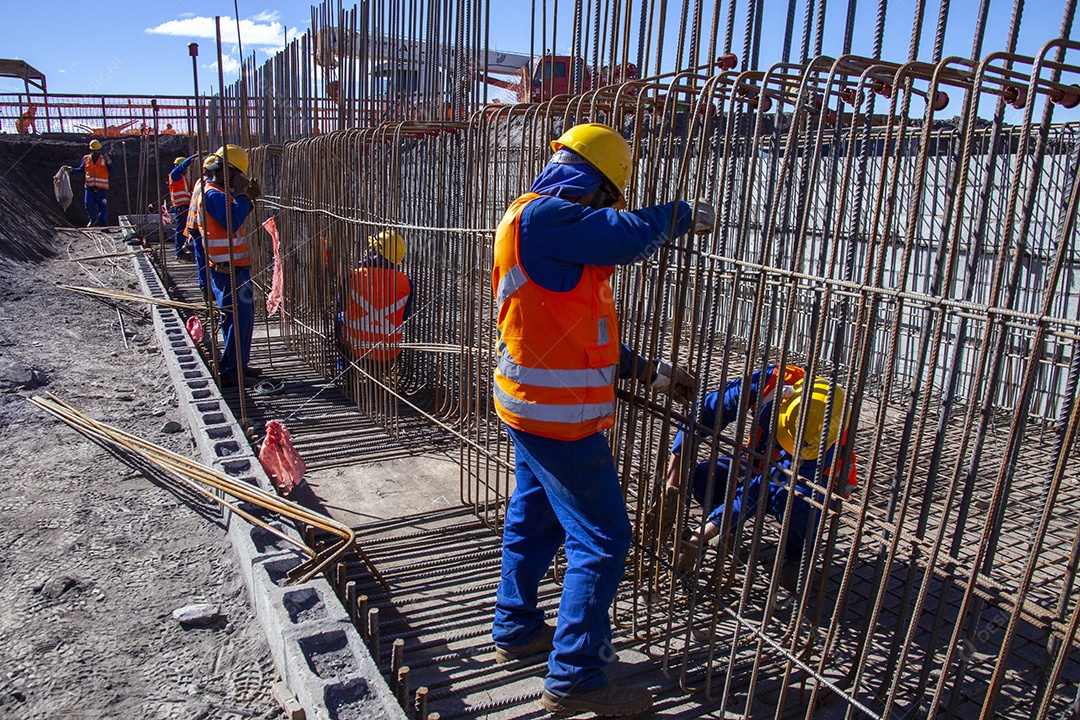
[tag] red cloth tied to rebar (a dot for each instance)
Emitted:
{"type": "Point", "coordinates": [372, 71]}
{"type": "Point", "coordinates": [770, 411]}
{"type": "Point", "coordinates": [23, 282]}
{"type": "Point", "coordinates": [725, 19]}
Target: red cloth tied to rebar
{"type": "Point", "coordinates": [273, 299]}
{"type": "Point", "coordinates": [194, 328]}
{"type": "Point", "coordinates": [280, 459]}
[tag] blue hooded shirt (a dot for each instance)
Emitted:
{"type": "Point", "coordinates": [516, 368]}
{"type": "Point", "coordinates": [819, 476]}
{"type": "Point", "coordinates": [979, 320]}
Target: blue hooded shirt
{"type": "Point", "coordinates": [558, 237]}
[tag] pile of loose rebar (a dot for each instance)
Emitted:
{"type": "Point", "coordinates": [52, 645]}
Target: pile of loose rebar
{"type": "Point", "coordinates": [214, 485]}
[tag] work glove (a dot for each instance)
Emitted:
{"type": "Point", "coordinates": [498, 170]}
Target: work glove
{"type": "Point", "coordinates": [680, 385]}
{"type": "Point", "coordinates": [704, 217]}
{"type": "Point", "coordinates": [254, 190]}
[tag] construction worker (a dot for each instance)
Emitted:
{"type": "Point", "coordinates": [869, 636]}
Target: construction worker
{"type": "Point", "coordinates": [558, 354]}
{"type": "Point", "coordinates": [718, 409]}
{"type": "Point", "coordinates": [96, 168]}
{"type": "Point", "coordinates": [192, 230]}
{"type": "Point", "coordinates": [25, 123]}
{"type": "Point", "coordinates": [180, 200]}
{"type": "Point", "coordinates": [379, 300]}
{"type": "Point", "coordinates": [228, 256]}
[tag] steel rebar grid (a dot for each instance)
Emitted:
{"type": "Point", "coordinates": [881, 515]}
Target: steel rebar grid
{"type": "Point", "coordinates": [926, 266]}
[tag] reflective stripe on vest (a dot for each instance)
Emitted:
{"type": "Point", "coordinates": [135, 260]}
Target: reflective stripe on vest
{"type": "Point", "coordinates": [377, 297]}
{"type": "Point", "coordinates": [179, 191]}
{"type": "Point", "coordinates": [97, 173]}
{"type": "Point", "coordinates": [194, 210]}
{"type": "Point", "coordinates": [216, 238]}
{"type": "Point", "coordinates": [557, 352]}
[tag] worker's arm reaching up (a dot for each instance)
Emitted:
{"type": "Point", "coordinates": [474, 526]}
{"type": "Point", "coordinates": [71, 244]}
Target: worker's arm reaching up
{"type": "Point", "coordinates": [177, 172]}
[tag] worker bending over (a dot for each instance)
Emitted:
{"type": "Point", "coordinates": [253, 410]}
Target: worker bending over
{"type": "Point", "coordinates": [789, 393]}
{"type": "Point", "coordinates": [180, 200]}
{"type": "Point", "coordinates": [379, 301]}
{"type": "Point", "coordinates": [558, 355]}
{"type": "Point", "coordinates": [96, 168]}
{"type": "Point", "coordinates": [225, 246]}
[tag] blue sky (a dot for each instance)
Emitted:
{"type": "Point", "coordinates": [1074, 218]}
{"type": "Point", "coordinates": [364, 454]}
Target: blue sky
{"type": "Point", "coordinates": [126, 47]}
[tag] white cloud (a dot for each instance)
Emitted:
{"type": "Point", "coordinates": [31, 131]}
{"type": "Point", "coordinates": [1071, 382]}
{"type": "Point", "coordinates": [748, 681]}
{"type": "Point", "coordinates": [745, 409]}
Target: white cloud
{"type": "Point", "coordinates": [229, 65]}
{"type": "Point", "coordinates": [267, 16]}
{"type": "Point", "coordinates": [262, 31]}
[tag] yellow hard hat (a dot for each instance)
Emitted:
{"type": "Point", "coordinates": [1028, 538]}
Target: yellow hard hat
{"type": "Point", "coordinates": [95, 145]}
{"type": "Point", "coordinates": [208, 162]}
{"type": "Point", "coordinates": [238, 158]}
{"type": "Point", "coordinates": [791, 407]}
{"type": "Point", "coordinates": [605, 149]}
{"type": "Point", "coordinates": [178, 160]}
{"type": "Point", "coordinates": [389, 244]}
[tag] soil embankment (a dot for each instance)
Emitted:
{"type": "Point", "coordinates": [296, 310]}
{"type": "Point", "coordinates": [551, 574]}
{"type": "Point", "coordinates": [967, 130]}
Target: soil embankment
{"type": "Point", "coordinates": [28, 210]}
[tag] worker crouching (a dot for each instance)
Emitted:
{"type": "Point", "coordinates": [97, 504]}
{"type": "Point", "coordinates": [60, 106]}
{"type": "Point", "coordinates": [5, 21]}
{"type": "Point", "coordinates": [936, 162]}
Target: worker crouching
{"type": "Point", "coordinates": [558, 356]}
{"type": "Point", "coordinates": [819, 447]}
{"type": "Point", "coordinates": [228, 257]}
{"type": "Point", "coordinates": [375, 305]}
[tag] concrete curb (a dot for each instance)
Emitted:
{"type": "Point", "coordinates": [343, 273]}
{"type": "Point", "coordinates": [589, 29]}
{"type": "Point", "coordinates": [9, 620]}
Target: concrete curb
{"type": "Point", "coordinates": [316, 649]}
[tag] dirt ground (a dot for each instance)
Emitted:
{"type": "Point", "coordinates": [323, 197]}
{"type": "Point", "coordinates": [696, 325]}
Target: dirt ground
{"type": "Point", "coordinates": [97, 557]}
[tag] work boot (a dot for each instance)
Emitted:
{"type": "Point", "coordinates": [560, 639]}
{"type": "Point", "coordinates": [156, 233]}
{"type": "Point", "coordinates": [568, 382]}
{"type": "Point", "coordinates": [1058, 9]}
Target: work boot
{"type": "Point", "coordinates": [252, 371]}
{"type": "Point", "coordinates": [542, 643]}
{"type": "Point", "coordinates": [609, 701]}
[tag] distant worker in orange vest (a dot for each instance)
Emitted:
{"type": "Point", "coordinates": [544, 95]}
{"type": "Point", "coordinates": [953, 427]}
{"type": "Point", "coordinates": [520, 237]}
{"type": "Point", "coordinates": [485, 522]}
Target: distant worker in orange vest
{"type": "Point", "coordinates": [180, 200]}
{"type": "Point", "coordinates": [168, 129]}
{"type": "Point", "coordinates": [25, 122]}
{"type": "Point", "coordinates": [557, 359]}
{"type": "Point", "coordinates": [378, 301]}
{"type": "Point", "coordinates": [229, 258]}
{"type": "Point", "coordinates": [97, 168]}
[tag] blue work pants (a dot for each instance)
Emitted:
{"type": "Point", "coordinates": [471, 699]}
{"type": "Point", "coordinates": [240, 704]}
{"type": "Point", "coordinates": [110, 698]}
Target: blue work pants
{"type": "Point", "coordinates": [200, 259]}
{"type": "Point", "coordinates": [96, 201]}
{"type": "Point", "coordinates": [567, 492]}
{"type": "Point", "coordinates": [179, 214]}
{"type": "Point", "coordinates": [245, 317]}
{"type": "Point", "coordinates": [745, 505]}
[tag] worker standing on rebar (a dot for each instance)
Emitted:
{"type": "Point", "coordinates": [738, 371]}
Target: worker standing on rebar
{"type": "Point", "coordinates": [180, 200]}
{"type": "Point", "coordinates": [721, 407]}
{"type": "Point", "coordinates": [225, 246]}
{"type": "Point", "coordinates": [96, 168]}
{"type": "Point", "coordinates": [558, 355]}
{"type": "Point", "coordinates": [379, 301]}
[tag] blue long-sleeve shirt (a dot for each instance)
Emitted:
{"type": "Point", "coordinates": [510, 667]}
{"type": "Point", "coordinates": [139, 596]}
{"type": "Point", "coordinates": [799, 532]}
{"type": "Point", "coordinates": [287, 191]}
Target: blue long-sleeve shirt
{"type": "Point", "coordinates": [215, 207]}
{"type": "Point", "coordinates": [558, 237]}
{"type": "Point", "coordinates": [177, 172]}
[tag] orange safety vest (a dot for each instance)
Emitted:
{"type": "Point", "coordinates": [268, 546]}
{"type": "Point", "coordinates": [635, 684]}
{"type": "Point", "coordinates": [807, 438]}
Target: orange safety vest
{"type": "Point", "coordinates": [792, 375]}
{"type": "Point", "coordinates": [217, 240]}
{"type": "Point", "coordinates": [194, 209]}
{"type": "Point", "coordinates": [374, 312]}
{"type": "Point", "coordinates": [557, 352]}
{"type": "Point", "coordinates": [97, 173]}
{"type": "Point", "coordinates": [179, 191]}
